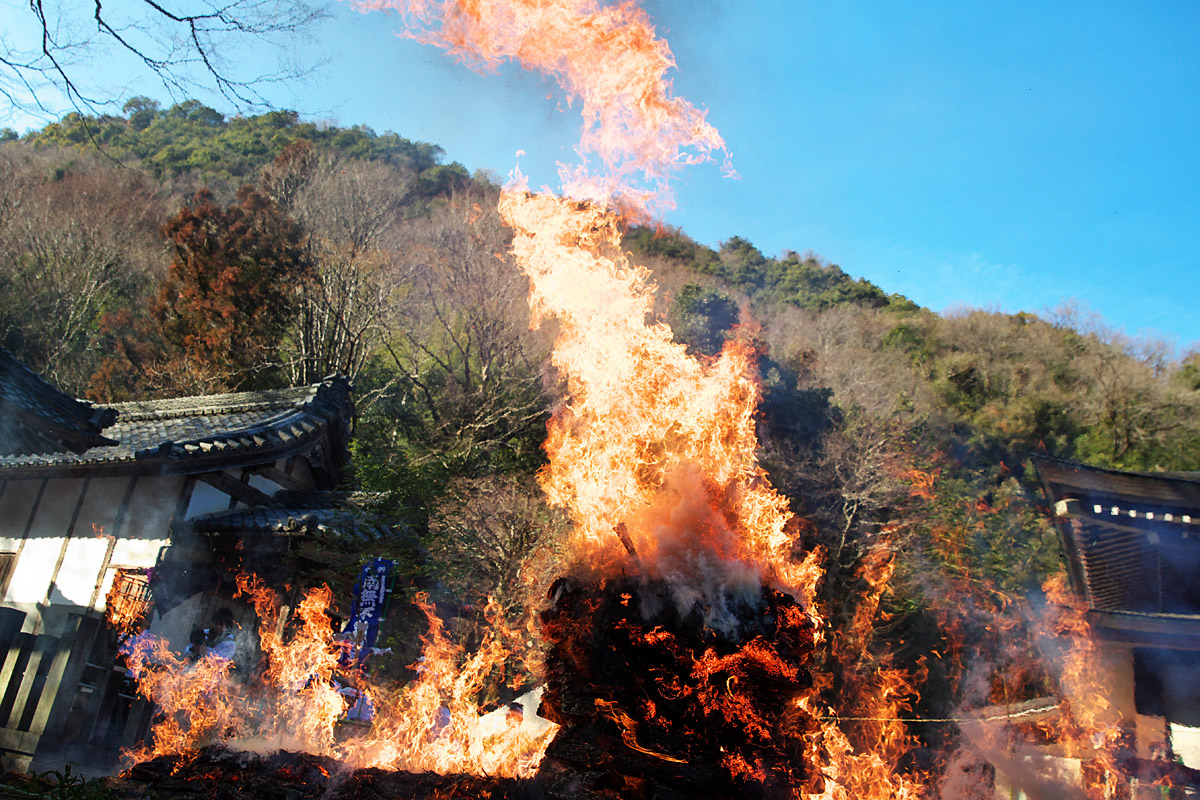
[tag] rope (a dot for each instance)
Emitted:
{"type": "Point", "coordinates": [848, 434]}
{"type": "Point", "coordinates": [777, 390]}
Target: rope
{"type": "Point", "coordinates": [1014, 715]}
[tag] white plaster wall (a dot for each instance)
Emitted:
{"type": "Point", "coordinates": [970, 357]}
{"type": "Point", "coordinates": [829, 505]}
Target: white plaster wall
{"type": "Point", "coordinates": [38, 560]}
{"type": "Point", "coordinates": [54, 512]}
{"type": "Point", "coordinates": [137, 552]}
{"type": "Point", "coordinates": [75, 583]}
{"type": "Point", "coordinates": [52, 568]}
{"type": "Point", "coordinates": [152, 507]}
{"type": "Point", "coordinates": [106, 584]}
{"type": "Point", "coordinates": [1185, 741]}
{"type": "Point", "coordinates": [32, 573]}
{"type": "Point", "coordinates": [265, 486]}
{"type": "Point", "coordinates": [101, 505]}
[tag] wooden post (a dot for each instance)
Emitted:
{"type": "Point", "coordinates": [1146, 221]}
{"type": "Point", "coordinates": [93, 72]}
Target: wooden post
{"type": "Point", "coordinates": [62, 681]}
{"type": "Point", "coordinates": [15, 749]}
{"type": "Point", "coordinates": [11, 621]}
{"type": "Point", "coordinates": [43, 646]}
{"type": "Point", "coordinates": [137, 724]}
{"type": "Point", "coordinates": [107, 701]}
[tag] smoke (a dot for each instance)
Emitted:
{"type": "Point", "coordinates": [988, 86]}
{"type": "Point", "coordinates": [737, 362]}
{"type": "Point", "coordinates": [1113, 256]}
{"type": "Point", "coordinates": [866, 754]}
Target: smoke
{"type": "Point", "coordinates": [968, 776]}
{"type": "Point", "coordinates": [1037, 776]}
{"type": "Point", "coordinates": [693, 549]}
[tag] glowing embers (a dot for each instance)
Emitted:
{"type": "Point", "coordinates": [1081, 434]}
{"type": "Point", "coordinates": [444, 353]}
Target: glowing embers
{"type": "Point", "coordinates": [654, 701]}
{"type": "Point", "coordinates": [217, 771]}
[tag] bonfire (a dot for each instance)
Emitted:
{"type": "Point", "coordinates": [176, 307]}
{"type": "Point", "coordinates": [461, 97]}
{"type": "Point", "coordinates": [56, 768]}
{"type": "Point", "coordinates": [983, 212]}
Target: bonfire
{"type": "Point", "coordinates": [683, 640]}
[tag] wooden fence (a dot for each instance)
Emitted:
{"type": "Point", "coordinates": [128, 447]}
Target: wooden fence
{"type": "Point", "coordinates": [62, 698]}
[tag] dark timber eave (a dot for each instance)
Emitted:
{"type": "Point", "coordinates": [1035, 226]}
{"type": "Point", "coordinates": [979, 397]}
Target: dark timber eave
{"type": "Point", "coordinates": [1132, 546]}
{"type": "Point", "coordinates": [194, 435]}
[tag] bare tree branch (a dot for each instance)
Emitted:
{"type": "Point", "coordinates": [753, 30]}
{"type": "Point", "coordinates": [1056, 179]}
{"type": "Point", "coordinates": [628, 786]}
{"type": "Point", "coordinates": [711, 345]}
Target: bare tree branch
{"type": "Point", "coordinates": [47, 57]}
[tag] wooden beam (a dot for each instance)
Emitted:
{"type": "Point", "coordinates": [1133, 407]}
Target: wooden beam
{"type": "Point", "coordinates": [137, 724]}
{"type": "Point", "coordinates": [239, 491]}
{"type": "Point", "coordinates": [21, 745]}
{"type": "Point", "coordinates": [11, 620]}
{"type": "Point", "coordinates": [282, 478]}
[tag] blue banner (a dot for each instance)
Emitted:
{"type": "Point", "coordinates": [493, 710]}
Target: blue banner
{"type": "Point", "coordinates": [370, 595]}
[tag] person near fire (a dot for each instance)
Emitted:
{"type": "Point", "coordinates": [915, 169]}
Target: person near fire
{"type": "Point", "coordinates": [353, 663]}
{"type": "Point", "coordinates": [215, 641]}
{"type": "Point", "coordinates": [221, 643]}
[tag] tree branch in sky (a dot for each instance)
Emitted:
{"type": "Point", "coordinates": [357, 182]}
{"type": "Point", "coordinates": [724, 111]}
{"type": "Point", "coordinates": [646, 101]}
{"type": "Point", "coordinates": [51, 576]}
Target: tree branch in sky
{"type": "Point", "coordinates": [64, 54]}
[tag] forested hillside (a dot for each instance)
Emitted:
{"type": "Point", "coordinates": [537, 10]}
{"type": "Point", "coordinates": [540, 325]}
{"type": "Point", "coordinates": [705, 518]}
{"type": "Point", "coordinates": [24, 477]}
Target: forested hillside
{"type": "Point", "coordinates": [174, 251]}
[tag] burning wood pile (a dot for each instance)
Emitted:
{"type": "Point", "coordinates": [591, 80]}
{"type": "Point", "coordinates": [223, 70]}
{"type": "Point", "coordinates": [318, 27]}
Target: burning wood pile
{"type": "Point", "coordinates": [652, 703]}
{"type": "Point", "coordinates": [657, 704]}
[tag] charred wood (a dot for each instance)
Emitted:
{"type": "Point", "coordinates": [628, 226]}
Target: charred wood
{"type": "Point", "coordinates": [226, 774]}
{"type": "Point", "coordinates": [654, 703]}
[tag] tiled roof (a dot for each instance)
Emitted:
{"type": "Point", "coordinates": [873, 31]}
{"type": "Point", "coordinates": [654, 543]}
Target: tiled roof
{"type": "Point", "coordinates": [35, 417]}
{"type": "Point", "coordinates": [1131, 539]}
{"type": "Point", "coordinates": [193, 434]}
{"type": "Point", "coordinates": [1065, 478]}
{"type": "Point", "coordinates": [314, 515]}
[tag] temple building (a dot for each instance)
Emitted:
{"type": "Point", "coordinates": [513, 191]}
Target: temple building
{"type": "Point", "coordinates": [143, 512]}
{"type": "Point", "coordinates": [1132, 547]}
{"type": "Point", "coordinates": [1131, 544]}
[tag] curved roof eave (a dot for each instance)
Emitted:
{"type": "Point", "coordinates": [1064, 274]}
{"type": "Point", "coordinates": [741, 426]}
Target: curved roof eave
{"type": "Point", "coordinates": [236, 430]}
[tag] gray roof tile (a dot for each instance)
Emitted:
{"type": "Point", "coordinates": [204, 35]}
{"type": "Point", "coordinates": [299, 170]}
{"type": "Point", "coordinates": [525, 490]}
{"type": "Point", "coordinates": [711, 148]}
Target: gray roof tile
{"type": "Point", "coordinates": [36, 417]}
{"type": "Point", "coordinates": [242, 426]}
{"type": "Point", "coordinates": [321, 517]}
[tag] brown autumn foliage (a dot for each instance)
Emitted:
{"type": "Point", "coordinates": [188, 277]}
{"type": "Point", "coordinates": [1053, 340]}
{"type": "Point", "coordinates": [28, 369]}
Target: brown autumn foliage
{"type": "Point", "coordinates": [227, 301]}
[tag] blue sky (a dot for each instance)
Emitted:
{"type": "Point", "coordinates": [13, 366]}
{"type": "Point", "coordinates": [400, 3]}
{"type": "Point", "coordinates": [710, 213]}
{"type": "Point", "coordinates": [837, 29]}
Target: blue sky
{"type": "Point", "coordinates": [998, 155]}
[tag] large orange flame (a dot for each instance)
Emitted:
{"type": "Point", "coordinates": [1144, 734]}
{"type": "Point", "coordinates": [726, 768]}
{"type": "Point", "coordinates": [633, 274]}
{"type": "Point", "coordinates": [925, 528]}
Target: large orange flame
{"type": "Point", "coordinates": [197, 703]}
{"type": "Point", "coordinates": [434, 725]}
{"type": "Point", "coordinates": [1091, 729]}
{"type": "Point", "coordinates": [292, 700]}
{"type": "Point", "coordinates": [654, 452]}
{"type": "Point", "coordinates": [651, 438]}
{"type": "Point", "coordinates": [606, 56]}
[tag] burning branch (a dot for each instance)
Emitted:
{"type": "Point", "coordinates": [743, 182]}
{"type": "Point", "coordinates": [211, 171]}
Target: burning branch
{"type": "Point", "coordinates": [623, 534]}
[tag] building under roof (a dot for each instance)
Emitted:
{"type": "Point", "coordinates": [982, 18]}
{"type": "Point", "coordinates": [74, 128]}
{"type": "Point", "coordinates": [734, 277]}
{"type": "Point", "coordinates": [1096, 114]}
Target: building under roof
{"type": "Point", "coordinates": [1132, 547]}
{"type": "Point", "coordinates": [1131, 542]}
{"type": "Point", "coordinates": [147, 509]}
